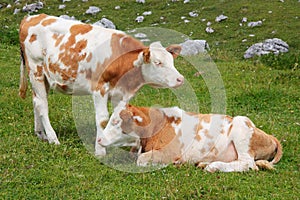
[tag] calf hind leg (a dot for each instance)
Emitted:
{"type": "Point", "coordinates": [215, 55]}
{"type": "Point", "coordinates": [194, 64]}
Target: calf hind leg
{"type": "Point", "coordinates": [241, 133]}
{"type": "Point", "coordinates": [42, 125]}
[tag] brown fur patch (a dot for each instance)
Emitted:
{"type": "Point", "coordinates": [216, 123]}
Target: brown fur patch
{"type": "Point", "coordinates": [120, 62]}
{"type": "Point", "coordinates": [47, 22]}
{"type": "Point", "coordinates": [103, 124]}
{"type": "Point", "coordinates": [89, 58]}
{"type": "Point", "coordinates": [32, 38]}
{"type": "Point", "coordinates": [146, 55]}
{"type": "Point", "coordinates": [39, 71]}
{"type": "Point", "coordinates": [25, 25]}
{"type": "Point", "coordinates": [23, 33]}
{"type": "Point", "coordinates": [198, 137]}
{"type": "Point", "coordinates": [71, 56]}
{"type": "Point", "coordinates": [205, 118]}
{"type": "Point", "coordinates": [262, 146]}
{"type": "Point", "coordinates": [62, 87]}
{"type": "Point", "coordinates": [155, 130]}
{"type": "Point", "coordinates": [58, 38]}
{"type": "Point", "coordinates": [125, 51]}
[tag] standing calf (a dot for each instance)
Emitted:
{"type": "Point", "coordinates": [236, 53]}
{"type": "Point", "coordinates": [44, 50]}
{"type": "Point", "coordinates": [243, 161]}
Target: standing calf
{"type": "Point", "coordinates": [171, 135]}
{"type": "Point", "coordinates": [82, 59]}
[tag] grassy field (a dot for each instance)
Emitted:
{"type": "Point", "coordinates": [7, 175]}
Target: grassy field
{"type": "Point", "coordinates": [264, 89]}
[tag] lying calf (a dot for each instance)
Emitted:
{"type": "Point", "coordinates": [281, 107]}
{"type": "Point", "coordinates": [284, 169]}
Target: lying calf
{"type": "Point", "coordinates": [171, 135]}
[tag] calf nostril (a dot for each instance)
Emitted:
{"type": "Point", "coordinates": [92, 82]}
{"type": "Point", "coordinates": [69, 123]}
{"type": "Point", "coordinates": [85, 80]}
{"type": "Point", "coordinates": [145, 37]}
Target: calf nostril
{"type": "Point", "coordinates": [99, 140]}
{"type": "Point", "coordinates": [180, 79]}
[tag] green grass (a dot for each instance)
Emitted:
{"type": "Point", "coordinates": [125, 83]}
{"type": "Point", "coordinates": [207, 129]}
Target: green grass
{"type": "Point", "coordinates": [265, 89]}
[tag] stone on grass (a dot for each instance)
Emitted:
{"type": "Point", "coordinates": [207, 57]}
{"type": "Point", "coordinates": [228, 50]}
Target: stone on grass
{"type": "Point", "coordinates": [274, 46]}
{"type": "Point", "coordinates": [254, 24]}
{"type": "Point", "coordinates": [139, 19]}
{"type": "Point", "coordinates": [93, 10]}
{"type": "Point", "coordinates": [60, 7]}
{"type": "Point", "coordinates": [68, 17]}
{"type": "Point", "coordinates": [33, 7]}
{"type": "Point", "coordinates": [193, 47]}
{"type": "Point", "coordinates": [193, 14]}
{"type": "Point", "coordinates": [147, 13]}
{"type": "Point", "coordinates": [16, 11]}
{"type": "Point", "coordinates": [106, 23]}
{"type": "Point", "coordinates": [221, 18]}
{"type": "Point", "coordinates": [140, 35]}
{"type": "Point", "coordinates": [209, 30]}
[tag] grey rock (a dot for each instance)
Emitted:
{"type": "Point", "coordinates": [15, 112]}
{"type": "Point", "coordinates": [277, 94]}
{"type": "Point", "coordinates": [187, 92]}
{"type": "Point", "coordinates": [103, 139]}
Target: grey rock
{"type": "Point", "coordinates": [274, 46]}
{"type": "Point", "coordinates": [221, 18]}
{"type": "Point", "coordinates": [93, 10]}
{"type": "Point", "coordinates": [106, 23]}
{"type": "Point", "coordinates": [68, 17]}
{"type": "Point", "coordinates": [140, 35]}
{"type": "Point", "coordinates": [209, 30]}
{"type": "Point", "coordinates": [147, 13]}
{"type": "Point", "coordinates": [139, 19]}
{"type": "Point", "coordinates": [193, 14]}
{"type": "Point", "coordinates": [60, 7]}
{"type": "Point", "coordinates": [253, 24]}
{"type": "Point", "coordinates": [17, 2]}
{"type": "Point", "coordinates": [33, 7]}
{"type": "Point", "coordinates": [193, 47]}
{"type": "Point", "coordinates": [16, 11]}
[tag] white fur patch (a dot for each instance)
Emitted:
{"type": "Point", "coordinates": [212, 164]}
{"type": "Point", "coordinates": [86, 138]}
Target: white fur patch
{"type": "Point", "coordinates": [138, 118]}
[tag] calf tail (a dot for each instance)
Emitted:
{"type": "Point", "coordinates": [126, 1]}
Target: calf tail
{"type": "Point", "coordinates": [23, 79]}
{"type": "Point", "coordinates": [278, 155]}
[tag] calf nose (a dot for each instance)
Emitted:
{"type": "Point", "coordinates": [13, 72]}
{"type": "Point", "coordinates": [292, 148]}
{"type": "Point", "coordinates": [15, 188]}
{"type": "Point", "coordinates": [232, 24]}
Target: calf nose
{"type": "Point", "coordinates": [180, 80]}
{"type": "Point", "coordinates": [99, 140]}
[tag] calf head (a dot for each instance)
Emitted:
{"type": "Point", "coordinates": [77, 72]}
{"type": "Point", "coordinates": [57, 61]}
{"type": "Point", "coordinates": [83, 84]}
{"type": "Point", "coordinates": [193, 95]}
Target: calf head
{"type": "Point", "coordinates": [128, 124]}
{"type": "Point", "coordinates": [157, 65]}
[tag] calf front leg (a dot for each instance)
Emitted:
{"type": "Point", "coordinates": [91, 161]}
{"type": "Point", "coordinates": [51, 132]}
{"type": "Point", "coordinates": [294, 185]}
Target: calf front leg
{"type": "Point", "coordinates": [102, 116]}
{"type": "Point", "coordinates": [154, 157]}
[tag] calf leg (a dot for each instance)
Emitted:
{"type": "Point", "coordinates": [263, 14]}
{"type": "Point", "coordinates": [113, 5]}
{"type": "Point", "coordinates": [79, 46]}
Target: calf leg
{"type": "Point", "coordinates": [40, 104]}
{"type": "Point", "coordinates": [240, 135]}
{"type": "Point", "coordinates": [102, 116]}
{"type": "Point", "coordinates": [153, 157]}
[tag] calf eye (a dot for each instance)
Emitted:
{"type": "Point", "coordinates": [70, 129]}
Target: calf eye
{"type": "Point", "coordinates": [158, 63]}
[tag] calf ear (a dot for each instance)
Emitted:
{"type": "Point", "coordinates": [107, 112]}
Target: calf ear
{"type": "Point", "coordinates": [146, 55]}
{"type": "Point", "coordinates": [126, 115]}
{"type": "Point", "coordinates": [174, 49]}
{"type": "Point", "coordinates": [143, 57]}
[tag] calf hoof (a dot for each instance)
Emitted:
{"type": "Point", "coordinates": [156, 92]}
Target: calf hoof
{"type": "Point", "coordinates": [210, 168]}
{"type": "Point", "coordinates": [54, 141]}
{"type": "Point", "coordinates": [41, 135]}
{"type": "Point", "coordinates": [142, 161]}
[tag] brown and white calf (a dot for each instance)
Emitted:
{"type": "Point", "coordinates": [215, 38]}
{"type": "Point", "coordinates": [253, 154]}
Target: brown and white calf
{"type": "Point", "coordinates": [82, 59]}
{"type": "Point", "coordinates": [171, 135]}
